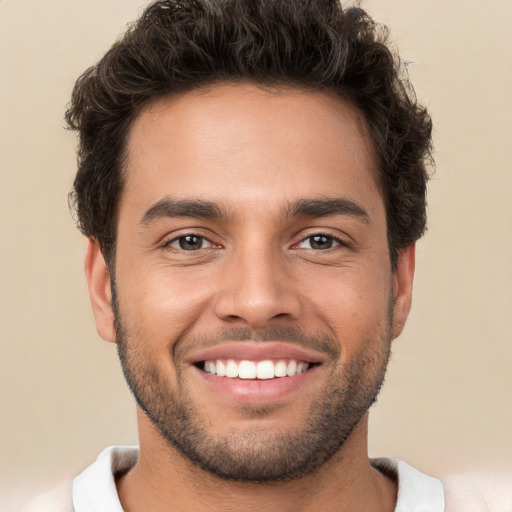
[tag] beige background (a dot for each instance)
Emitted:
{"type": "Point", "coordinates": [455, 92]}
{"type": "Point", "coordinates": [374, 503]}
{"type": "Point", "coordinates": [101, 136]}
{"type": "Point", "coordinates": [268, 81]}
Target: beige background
{"type": "Point", "coordinates": [447, 401]}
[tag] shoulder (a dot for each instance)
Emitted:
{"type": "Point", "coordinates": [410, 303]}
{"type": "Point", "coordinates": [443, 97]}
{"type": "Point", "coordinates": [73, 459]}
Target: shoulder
{"type": "Point", "coordinates": [93, 489]}
{"type": "Point", "coordinates": [463, 492]}
{"type": "Point", "coordinates": [479, 492]}
{"type": "Point", "coordinates": [57, 499]}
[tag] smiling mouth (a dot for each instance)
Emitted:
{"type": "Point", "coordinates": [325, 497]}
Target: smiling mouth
{"type": "Point", "coordinates": [255, 370]}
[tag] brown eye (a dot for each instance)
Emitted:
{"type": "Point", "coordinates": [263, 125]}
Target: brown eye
{"type": "Point", "coordinates": [319, 242]}
{"type": "Point", "coordinates": [189, 243]}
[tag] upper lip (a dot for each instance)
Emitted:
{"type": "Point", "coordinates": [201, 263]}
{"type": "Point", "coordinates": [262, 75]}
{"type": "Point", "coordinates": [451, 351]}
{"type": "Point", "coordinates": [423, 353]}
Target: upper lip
{"type": "Point", "coordinates": [257, 351]}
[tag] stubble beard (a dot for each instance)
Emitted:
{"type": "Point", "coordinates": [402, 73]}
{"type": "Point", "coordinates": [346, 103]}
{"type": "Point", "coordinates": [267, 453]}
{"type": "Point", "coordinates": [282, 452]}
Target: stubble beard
{"type": "Point", "coordinates": [259, 456]}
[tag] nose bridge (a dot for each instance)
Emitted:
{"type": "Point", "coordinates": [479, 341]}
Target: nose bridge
{"type": "Point", "coordinates": [256, 286]}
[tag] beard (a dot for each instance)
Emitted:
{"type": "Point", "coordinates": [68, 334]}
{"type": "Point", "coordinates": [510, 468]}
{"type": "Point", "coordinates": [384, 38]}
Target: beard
{"type": "Point", "coordinates": [259, 455]}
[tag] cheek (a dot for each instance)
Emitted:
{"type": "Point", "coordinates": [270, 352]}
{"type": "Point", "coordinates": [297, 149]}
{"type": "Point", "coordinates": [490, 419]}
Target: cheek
{"type": "Point", "coordinates": [160, 304]}
{"type": "Point", "coordinates": [352, 305]}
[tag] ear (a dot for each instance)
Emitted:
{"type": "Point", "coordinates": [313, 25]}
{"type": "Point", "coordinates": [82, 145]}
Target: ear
{"type": "Point", "coordinates": [402, 288]}
{"type": "Point", "coordinates": [98, 282]}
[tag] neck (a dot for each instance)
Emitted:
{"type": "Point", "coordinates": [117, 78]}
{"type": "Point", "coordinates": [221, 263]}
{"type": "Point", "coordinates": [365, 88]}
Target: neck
{"type": "Point", "coordinates": [162, 477]}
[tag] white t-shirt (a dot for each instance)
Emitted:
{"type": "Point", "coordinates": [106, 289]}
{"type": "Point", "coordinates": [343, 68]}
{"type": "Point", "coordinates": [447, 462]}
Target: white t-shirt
{"type": "Point", "coordinates": [94, 490]}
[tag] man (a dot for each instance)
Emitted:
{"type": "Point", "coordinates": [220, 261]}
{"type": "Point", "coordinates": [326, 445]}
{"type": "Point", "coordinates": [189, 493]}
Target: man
{"type": "Point", "coordinates": [252, 184]}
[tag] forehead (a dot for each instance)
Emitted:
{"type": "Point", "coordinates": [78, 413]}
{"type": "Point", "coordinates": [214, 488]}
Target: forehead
{"type": "Point", "coordinates": [248, 146]}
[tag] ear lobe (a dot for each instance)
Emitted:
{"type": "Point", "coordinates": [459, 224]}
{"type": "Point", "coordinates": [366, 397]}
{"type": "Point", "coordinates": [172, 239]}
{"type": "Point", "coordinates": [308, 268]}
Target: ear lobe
{"type": "Point", "coordinates": [402, 288]}
{"type": "Point", "coordinates": [100, 293]}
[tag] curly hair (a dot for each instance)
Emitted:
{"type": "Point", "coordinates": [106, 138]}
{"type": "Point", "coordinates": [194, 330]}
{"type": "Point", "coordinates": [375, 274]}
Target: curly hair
{"type": "Point", "coordinates": [314, 45]}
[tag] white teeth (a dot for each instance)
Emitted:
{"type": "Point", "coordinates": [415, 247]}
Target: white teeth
{"type": "Point", "coordinates": [221, 369]}
{"type": "Point", "coordinates": [209, 367]}
{"type": "Point", "coordinates": [247, 370]}
{"type": "Point", "coordinates": [280, 369]}
{"type": "Point", "coordinates": [231, 369]}
{"type": "Point", "coordinates": [291, 369]}
{"type": "Point", "coordinates": [302, 367]}
{"type": "Point", "coordinates": [263, 370]}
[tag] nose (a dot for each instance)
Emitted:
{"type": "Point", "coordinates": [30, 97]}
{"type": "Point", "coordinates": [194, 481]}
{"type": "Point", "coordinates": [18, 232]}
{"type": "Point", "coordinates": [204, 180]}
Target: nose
{"type": "Point", "coordinates": [257, 289]}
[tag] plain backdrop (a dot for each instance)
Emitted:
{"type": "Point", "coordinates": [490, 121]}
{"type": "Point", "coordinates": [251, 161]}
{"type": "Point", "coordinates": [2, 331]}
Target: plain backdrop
{"type": "Point", "coordinates": [446, 405]}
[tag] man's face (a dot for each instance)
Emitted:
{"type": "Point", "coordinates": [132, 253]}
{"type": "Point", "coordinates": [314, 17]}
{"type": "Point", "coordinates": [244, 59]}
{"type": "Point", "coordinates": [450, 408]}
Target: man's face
{"type": "Point", "coordinates": [252, 245]}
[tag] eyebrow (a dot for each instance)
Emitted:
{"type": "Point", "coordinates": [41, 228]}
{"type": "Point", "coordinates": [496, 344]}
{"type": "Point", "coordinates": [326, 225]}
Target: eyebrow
{"type": "Point", "coordinates": [326, 208]}
{"type": "Point", "coordinates": [196, 208]}
{"type": "Point", "coordinates": [169, 207]}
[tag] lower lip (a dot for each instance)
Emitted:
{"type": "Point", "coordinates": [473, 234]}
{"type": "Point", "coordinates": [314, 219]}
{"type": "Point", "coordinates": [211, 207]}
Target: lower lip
{"type": "Point", "coordinates": [256, 391]}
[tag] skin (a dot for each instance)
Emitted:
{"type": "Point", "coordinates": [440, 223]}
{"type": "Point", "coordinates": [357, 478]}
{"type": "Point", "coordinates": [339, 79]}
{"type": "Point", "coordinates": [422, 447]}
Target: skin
{"type": "Point", "coordinates": [252, 152]}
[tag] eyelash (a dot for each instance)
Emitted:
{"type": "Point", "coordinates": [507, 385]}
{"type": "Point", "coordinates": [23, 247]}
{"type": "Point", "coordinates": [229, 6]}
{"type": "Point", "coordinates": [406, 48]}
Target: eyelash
{"type": "Point", "coordinates": [183, 237]}
{"type": "Point", "coordinates": [331, 239]}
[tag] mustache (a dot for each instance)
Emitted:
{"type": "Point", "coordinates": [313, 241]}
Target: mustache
{"type": "Point", "coordinates": [288, 334]}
